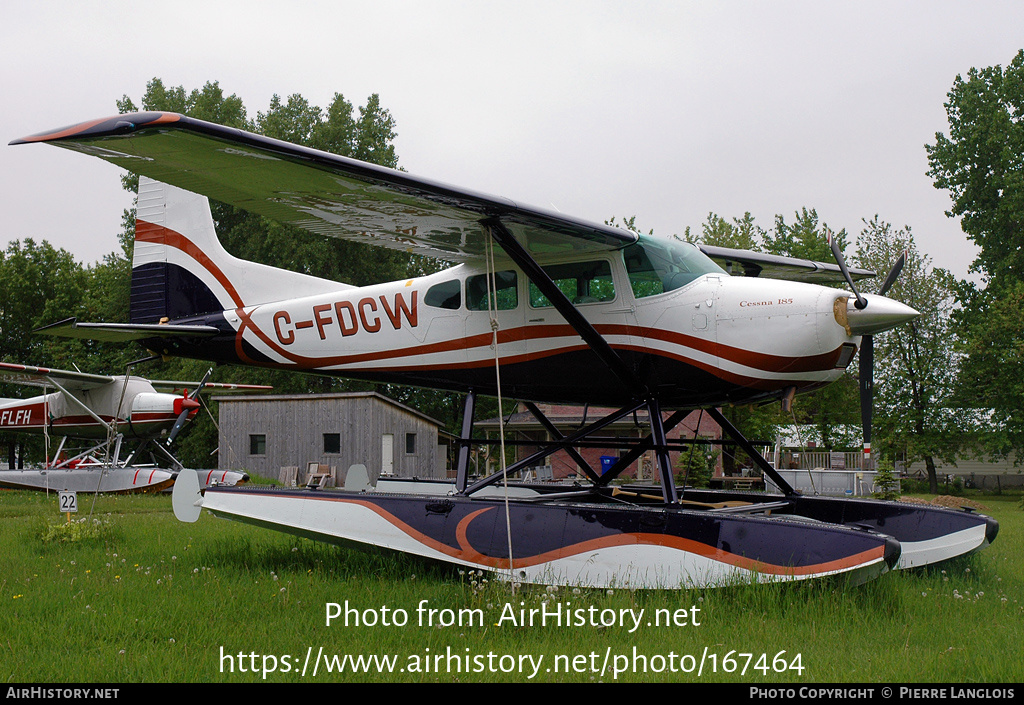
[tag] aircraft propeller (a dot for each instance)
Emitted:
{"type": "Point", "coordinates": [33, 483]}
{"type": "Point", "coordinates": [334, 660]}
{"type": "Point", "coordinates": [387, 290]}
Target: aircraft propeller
{"type": "Point", "coordinates": [188, 408]}
{"type": "Point", "coordinates": [867, 346]}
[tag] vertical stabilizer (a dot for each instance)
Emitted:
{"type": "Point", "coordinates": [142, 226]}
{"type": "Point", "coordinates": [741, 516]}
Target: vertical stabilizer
{"type": "Point", "coordinates": [180, 269]}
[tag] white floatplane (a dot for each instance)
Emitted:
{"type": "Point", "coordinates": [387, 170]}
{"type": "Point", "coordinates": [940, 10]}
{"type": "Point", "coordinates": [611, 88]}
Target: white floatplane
{"type": "Point", "coordinates": [540, 307]}
{"type": "Point", "coordinates": [110, 413]}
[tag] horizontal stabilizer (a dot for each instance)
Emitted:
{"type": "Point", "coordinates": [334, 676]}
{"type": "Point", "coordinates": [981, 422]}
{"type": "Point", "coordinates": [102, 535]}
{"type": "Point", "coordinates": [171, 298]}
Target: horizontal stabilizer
{"type": "Point", "coordinates": [123, 332]}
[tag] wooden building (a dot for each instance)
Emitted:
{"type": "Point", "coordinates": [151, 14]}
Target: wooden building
{"type": "Point", "coordinates": [265, 433]}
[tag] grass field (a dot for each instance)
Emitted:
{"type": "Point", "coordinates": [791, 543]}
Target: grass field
{"type": "Point", "coordinates": [133, 596]}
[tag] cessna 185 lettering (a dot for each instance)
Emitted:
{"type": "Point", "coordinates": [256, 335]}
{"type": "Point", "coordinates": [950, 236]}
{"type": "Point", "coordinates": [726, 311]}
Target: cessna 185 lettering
{"type": "Point", "coordinates": [557, 309]}
{"type": "Point", "coordinates": [108, 411]}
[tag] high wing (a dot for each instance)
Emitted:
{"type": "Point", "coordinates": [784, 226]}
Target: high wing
{"type": "Point", "coordinates": [325, 193]}
{"type": "Point", "coordinates": [45, 376]}
{"type": "Point", "coordinates": [341, 197]}
{"type": "Point", "coordinates": [758, 264]}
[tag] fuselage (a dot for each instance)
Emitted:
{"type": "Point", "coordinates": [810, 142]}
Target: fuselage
{"type": "Point", "coordinates": [693, 334]}
{"type": "Point", "coordinates": [131, 406]}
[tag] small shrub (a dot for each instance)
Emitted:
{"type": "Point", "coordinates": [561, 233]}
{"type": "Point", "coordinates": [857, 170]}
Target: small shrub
{"type": "Point", "coordinates": [955, 486]}
{"type": "Point", "coordinates": [912, 486]}
{"type": "Point", "coordinates": [886, 481]}
{"type": "Point", "coordinates": [84, 529]}
{"type": "Point", "coordinates": [696, 466]}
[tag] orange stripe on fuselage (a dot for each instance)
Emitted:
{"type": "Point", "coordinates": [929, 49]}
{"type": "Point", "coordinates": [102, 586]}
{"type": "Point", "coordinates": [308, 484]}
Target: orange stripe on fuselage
{"type": "Point", "coordinates": [150, 232]}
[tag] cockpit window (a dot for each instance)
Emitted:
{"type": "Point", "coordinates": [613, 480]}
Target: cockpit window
{"type": "Point", "coordinates": [657, 267]}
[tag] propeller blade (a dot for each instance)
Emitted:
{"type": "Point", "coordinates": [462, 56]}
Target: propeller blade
{"type": "Point", "coordinates": [890, 278]}
{"type": "Point", "coordinates": [841, 261]}
{"type": "Point", "coordinates": [178, 425]}
{"type": "Point", "coordinates": [867, 361]}
{"type": "Point", "coordinates": [187, 405]}
{"type": "Point", "coordinates": [867, 388]}
{"type": "Point", "coordinates": [202, 383]}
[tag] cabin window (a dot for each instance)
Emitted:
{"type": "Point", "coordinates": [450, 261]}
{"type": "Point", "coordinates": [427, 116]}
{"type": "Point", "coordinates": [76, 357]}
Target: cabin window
{"type": "Point", "coordinates": [581, 282]}
{"type": "Point", "coordinates": [410, 443]}
{"type": "Point", "coordinates": [506, 295]}
{"type": "Point", "coordinates": [332, 443]}
{"type": "Point", "coordinates": [655, 268]}
{"type": "Point", "coordinates": [445, 295]}
{"type": "Point", "coordinates": [257, 444]}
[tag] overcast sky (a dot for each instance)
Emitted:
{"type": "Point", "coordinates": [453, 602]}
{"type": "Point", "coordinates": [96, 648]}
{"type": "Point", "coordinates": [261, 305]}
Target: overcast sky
{"type": "Point", "coordinates": [662, 110]}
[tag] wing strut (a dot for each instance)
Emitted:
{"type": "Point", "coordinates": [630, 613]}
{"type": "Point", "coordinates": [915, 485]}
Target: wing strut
{"type": "Point", "coordinates": [601, 348]}
{"type": "Point", "coordinates": [564, 306]}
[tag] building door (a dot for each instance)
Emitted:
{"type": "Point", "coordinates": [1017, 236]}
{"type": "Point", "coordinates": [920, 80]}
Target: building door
{"type": "Point", "coordinates": [387, 454]}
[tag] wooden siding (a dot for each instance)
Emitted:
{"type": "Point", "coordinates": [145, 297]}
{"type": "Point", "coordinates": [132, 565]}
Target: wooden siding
{"type": "Point", "coordinates": [294, 426]}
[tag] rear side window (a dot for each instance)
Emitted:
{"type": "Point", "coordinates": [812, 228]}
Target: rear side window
{"type": "Point", "coordinates": [505, 291]}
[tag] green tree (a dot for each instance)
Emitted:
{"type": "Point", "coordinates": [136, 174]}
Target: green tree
{"type": "Point", "coordinates": [981, 164]}
{"type": "Point", "coordinates": [41, 284]}
{"type": "Point", "coordinates": [991, 385]}
{"type": "Point", "coordinates": [804, 238]}
{"type": "Point", "coordinates": [741, 234]}
{"type": "Point", "coordinates": [915, 364]}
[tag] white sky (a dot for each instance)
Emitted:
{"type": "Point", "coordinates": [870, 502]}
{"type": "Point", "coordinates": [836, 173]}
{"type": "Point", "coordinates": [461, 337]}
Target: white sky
{"type": "Point", "coordinates": [663, 110]}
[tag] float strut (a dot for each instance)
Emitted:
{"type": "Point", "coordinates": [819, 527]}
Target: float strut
{"type": "Point", "coordinates": [462, 469]}
{"type": "Point", "coordinates": [668, 483]}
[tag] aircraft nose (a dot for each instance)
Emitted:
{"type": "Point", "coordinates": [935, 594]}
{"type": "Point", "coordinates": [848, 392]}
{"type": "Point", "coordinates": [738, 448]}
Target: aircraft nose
{"type": "Point", "coordinates": [879, 315]}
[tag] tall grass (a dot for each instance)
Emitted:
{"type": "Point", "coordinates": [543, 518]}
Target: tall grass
{"type": "Point", "coordinates": [143, 598]}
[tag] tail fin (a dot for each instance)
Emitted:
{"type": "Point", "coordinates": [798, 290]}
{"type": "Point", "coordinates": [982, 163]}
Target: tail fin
{"type": "Point", "coordinates": [180, 269]}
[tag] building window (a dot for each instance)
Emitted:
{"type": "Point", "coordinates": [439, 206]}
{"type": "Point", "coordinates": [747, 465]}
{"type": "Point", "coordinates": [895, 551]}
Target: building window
{"type": "Point", "coordinates": [332, 443]}
{"type": "Point", "coordinates": [410, 443]}
{"type": "Point", "coordinates": [257, 444]}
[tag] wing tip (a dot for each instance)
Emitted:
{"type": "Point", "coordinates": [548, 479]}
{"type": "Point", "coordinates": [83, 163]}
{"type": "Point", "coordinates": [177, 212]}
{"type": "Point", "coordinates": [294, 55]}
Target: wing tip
{"type": "Point", "coordinates": [103, 127]}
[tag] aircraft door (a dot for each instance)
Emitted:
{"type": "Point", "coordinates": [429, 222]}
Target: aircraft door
{"type": "Point", "coordinates": [561, 359]}
{"type": "Point", "coordinates": [506, 304]}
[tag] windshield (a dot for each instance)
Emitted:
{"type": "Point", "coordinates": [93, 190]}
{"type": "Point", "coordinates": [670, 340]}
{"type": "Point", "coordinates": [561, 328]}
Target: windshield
{"type": "Point", "coordinates": [657, 266]}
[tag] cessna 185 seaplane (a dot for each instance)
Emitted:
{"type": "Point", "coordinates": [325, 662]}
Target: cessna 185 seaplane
{"type": "Point", "coordinates": [540, 307]}
{"type": "Point", "coordinates": [109, 412]}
